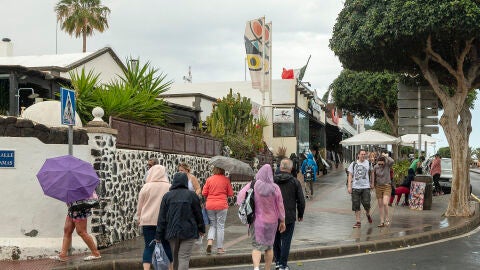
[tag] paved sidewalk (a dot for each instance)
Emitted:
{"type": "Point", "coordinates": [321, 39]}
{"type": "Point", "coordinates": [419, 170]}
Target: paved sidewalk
{"type": "Point", "coordinates": [325, 232]}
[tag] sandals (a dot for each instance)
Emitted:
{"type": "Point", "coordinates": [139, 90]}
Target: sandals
{"type": "Point", "coordinates": [369, 217]}
{"type": "Point", "coordinates": [220, 251]}
{"type": "Point", "coordinates": [357, 225]}
{"type": "Point", "coordinates": [58, 258]}
{"type": "Point", "coordinates": [381, 225]}
{"type": "Point", "coordinates": [209, 249]}
{"type": "Point", "coordinates": [92, 257]}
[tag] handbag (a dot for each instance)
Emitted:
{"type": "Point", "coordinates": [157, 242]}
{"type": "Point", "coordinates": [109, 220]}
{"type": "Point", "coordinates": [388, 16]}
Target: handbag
{"type": "Point", "coordinates": [88, 203]}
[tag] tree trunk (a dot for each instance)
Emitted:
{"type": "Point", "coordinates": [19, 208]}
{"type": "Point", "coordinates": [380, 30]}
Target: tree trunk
{"type": "Point", "coordinates": [458, 133]}
{"type": "Point", "coordinates": [84, 37]}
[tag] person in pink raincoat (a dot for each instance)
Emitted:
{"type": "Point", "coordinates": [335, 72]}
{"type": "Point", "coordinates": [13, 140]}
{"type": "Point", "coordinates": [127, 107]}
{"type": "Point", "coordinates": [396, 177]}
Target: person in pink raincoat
{"type": "Point", "coordinates": [269, 215]}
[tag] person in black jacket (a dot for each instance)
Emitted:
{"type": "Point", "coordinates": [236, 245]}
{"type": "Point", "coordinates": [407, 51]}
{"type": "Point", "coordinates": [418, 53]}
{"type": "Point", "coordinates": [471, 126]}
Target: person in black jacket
{"type": "Point", "coordinates": [293, 201]}
{"type": "Point", "coordinates": [180, 220]}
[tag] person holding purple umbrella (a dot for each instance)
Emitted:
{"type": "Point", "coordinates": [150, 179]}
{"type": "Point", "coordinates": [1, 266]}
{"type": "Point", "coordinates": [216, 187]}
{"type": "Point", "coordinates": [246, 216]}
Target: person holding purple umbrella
{"type": "Point", "coordinates": [77, 220]}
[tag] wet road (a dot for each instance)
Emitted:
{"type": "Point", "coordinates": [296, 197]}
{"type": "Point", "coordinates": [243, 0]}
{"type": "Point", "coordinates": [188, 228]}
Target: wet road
{"type": "Point", "coordinates": [458, 253]}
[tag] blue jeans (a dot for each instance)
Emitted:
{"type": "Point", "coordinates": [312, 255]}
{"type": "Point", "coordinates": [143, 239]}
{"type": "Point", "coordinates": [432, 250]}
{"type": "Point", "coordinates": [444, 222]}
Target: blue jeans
{"type": "Point", "coordinates": [148, 236]}
{"type": "Point", "coordinates": [281, 246]}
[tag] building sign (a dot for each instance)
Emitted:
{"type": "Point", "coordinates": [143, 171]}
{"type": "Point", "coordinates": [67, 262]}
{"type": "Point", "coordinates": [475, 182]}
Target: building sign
{"type": "Point", "coordinates": [282, 115]}
{"type": "Point", "coordinates": [7, 159]}
{"type": "Point", "coordinates": [316, 111]}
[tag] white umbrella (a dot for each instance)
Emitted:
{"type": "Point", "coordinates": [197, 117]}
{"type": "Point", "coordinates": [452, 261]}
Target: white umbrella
{"type": "Point", "coordinates": [411, 139]}
{"type": "Point", "coordinates": [371, 137]}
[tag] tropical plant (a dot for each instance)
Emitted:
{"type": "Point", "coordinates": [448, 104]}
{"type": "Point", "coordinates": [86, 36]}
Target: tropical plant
{"type": "Point", "coordinates": [82, 17]}
{"type": "Point", "coordinates": [133, 95]}
{"type": "Point", "coordinates": [400, 169]}
{"type": "Point", "coordinates": [444, 152]}
{"type": "Point", "coordinates": [436, 40]}
{"type": "Point", "coordinates": [231, 120]}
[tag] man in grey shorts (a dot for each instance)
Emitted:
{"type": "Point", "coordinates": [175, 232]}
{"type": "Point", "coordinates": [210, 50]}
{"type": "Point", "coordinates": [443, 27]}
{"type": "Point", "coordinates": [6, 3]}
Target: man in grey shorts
{"type": "Point", "coordinates": [359, 184]}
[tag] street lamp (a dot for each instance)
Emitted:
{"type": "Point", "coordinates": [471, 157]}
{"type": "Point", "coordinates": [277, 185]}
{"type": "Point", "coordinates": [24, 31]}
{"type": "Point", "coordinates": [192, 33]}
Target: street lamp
{"type": "Point", "coordinates": [32, 95]}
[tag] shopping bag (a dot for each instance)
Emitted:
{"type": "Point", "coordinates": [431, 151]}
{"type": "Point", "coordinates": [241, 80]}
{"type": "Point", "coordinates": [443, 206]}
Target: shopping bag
{"type": "Point", "coordinates": [160, 259]}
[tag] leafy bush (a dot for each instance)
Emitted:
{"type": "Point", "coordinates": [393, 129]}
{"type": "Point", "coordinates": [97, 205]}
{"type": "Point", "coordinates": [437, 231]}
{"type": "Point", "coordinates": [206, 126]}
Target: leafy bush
{"type": "Point", "coordinates": [400, 170]}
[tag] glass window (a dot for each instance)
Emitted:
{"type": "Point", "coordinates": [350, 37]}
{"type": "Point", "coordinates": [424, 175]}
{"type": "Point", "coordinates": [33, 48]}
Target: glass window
{"type": "Point", "coordinates": [283, 129]}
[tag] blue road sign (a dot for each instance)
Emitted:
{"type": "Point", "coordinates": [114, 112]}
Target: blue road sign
{"type": "Point", "coordinates": [67, 97]}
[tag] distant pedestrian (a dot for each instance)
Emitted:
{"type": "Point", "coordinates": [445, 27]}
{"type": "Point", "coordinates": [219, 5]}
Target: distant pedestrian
{"type": "Point", "coordinates": [150, 163]}
{"type": "Point", "coordinates": [296, 164]}
{"type": "Point", "coordinates": [435, 171]}
{"type": "Point", "coordinates": [216, 190]}
{"type": "Point", "coordinates": [193, 183]}
{"type": "Point", "coordinates": [293, 201]}
{"type": "Point", "coordinates": [309, 170]}
{"type": "Point", "coordinates": [148, 208]}
{"type": "Point", "coordinates": [269, 215]}
{"type": "Point", "coordinates": [359, 185]}
{"type": "Point", "coordinates": [383, 186]}
{"type": "Point", "coordinates": [180, 221]}
{"type": "Point", "coordinates": [415, 166]}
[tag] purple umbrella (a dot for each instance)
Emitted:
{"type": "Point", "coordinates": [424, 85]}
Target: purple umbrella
{"type": "Point", "coordinates": [67, 178]}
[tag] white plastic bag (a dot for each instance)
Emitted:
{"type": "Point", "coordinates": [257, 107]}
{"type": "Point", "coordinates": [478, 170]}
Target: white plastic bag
{"type": "Point", "coordinates": [160, 260]}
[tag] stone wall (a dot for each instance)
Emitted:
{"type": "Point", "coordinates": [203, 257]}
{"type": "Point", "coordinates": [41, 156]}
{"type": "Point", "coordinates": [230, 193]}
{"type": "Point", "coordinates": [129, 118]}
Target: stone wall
{"type": "Point", "coordinates": [122, 174]}
{"type": "Point", "coordinates": [20, 127]}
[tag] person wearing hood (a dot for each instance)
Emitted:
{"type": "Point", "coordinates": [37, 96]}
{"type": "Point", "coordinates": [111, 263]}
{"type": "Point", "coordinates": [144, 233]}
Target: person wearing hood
{"type": "Point", "coordinates": [180, 220]}
{"type": "Point", "coordinates": [310, 163]}
{"type": "Point", "coordinates": [269, 215]}
{"type": "Point", "coordinates": [149, 200]}
{"type": "Point", "coordinates": [293, 200]}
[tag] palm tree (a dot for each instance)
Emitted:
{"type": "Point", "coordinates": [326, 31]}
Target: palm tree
{"type": "Point", "coordinates": [82, 17]}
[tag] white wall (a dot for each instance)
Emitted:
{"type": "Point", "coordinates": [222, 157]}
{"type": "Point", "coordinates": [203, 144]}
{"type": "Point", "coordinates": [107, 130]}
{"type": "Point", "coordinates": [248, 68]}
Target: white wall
{"type": "Point", "coordinates": [103, 64]}
{"type": "Point", "coordinates": [24, 206]}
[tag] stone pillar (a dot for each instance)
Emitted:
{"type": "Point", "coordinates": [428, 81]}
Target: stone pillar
{"type": "Point", "coordinates": [102, 140]}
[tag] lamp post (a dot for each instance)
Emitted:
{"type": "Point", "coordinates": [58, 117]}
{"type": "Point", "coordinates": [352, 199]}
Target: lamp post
{"type": "Point", "coordinates": [32, 95]}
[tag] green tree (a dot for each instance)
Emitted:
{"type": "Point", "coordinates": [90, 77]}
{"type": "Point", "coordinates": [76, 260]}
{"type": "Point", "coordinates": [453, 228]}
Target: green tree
{"type": "Point", "coordinates": [368, 94]}
{"type": "Point", "coordinates": [133, 95]}
{"type": "Point", "coordinates": [382, 125]}
{"type": "Point", "coordinates": [436, 39]}
{"type": "Point", "coordinates": [444, 152]}
{"type": "Point", "coordinates": [82, 17]}
{"type": "Point", "coordinates": [476, 153]}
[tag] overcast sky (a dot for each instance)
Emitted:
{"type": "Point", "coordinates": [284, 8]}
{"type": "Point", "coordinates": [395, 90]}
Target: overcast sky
{"type": "Point", "coordinates": [206, 35]}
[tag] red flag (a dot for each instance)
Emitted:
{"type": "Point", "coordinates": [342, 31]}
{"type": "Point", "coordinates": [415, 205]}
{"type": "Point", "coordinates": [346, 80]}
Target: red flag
{"type": "Point", "coordinates": [287, 74]}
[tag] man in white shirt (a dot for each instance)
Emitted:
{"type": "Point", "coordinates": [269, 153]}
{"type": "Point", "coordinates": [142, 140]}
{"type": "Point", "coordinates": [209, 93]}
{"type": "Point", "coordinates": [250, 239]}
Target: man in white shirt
{"type": "Point", "coordinates": [359, 184]}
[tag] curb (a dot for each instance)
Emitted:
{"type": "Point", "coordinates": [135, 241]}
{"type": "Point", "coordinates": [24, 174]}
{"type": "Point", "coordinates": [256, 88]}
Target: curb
{"type": "Point", "coordinates": [306, 253]}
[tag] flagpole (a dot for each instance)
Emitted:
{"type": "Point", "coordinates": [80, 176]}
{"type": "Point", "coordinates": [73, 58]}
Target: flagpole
{"type": "Point", "coordinates": [262, 86]}
{"type": "Point", "coordinates": [270, 65]}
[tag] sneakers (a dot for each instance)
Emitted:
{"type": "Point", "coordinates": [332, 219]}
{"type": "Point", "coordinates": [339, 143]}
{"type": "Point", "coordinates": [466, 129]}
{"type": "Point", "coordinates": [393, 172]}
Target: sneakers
{"type": "Point", "coordinates": [357, 225]}
{"type": "Point", "coordinates": [209, 249]}
{"type": "Point", "coordinates": [285, 268]}
{"type": "Point", "coordinates": [277, 265]}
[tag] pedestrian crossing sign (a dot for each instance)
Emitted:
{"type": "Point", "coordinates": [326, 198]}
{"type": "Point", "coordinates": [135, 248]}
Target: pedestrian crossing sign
{"type": "Point", "coordinates": [67, 97]}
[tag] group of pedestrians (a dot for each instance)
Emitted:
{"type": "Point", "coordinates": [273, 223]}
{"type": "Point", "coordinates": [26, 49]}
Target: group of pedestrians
{"type": "Point", "coordinates": [365, 175]}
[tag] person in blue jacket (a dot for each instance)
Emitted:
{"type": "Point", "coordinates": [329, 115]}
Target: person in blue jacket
{"type": "Point", "coordinates": [306, 165]}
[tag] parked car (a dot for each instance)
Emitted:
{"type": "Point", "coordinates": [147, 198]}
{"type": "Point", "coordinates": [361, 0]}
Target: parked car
{"type": "Point", "coordinates": [445, 175]}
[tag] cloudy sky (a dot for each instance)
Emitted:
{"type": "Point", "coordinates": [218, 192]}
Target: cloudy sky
{"type": "Point", "coordinates": [206, 35]}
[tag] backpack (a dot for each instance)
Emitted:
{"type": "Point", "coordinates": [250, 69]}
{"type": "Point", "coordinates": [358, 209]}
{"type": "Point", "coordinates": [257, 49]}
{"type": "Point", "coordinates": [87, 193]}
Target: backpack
{"type": "Point", "coordinates": [308, 173]}
{"type": "Point", "coordinates": [246, 211]}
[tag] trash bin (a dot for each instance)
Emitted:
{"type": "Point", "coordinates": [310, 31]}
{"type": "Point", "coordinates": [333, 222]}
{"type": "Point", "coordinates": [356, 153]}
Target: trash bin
{"type": "Point", "coordinates": [427, 192]}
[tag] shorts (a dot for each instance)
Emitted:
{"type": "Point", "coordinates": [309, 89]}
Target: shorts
{"type": "Point", "coordinates": [79, 215]}
{"type": "Point", "coordinates": [382, 190]}
{"type": "Point", "coordinates": [255, 244]}
{"type": "Point", "coordinates": [360, 196]}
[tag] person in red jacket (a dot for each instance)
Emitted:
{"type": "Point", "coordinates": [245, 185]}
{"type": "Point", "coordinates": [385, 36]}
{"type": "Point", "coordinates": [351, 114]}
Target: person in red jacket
{"type": "Point", "coordinates": [216, 190]}
{"type": "Point", "coordinates": [435, 170]}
